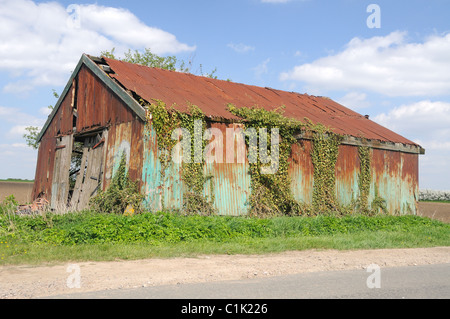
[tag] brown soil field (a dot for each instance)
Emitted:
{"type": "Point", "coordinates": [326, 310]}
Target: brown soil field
{"type": "Point", "coordinates": [20, 190]}
{"type": "Point", "coordinates": [439, 211]}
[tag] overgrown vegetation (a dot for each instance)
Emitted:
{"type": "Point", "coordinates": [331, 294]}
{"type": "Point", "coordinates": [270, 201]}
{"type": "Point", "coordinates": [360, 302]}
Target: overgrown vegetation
{"type": "Point", "coordinates": [165, 122]}
{"type": "Point", "coordinates": [121, 194]}
{"type": "Point", "coordinates": [324, 156]}
{"type": "Point", "coordinates": [93, 236]}
{"type": "Point", "coordinates": [365, 177]}
{"type": "Point", "coordinates": [271, 193]}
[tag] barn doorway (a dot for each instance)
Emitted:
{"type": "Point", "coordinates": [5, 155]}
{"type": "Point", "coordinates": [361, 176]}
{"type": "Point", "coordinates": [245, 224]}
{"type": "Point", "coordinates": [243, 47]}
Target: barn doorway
{"type": "Point", "coordinates": [88, 168]}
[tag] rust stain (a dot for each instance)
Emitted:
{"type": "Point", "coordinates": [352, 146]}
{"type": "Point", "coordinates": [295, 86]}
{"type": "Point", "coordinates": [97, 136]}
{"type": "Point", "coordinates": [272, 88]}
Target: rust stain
{"type": "Point", "coordinates": [348, 168]}
{"type": "Point", "coordinates": [394, 174]}
{"type": "Point", "coordinates": [301, 171]}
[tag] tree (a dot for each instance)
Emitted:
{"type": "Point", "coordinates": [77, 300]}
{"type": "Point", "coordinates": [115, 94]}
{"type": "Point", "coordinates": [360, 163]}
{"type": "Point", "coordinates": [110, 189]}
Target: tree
{"type": "Point", "coordinates": [31, 136]}
{"type": "Point", "coordinates": [147, 58]}
{"type": "Point", "coordinates": [33, 131]}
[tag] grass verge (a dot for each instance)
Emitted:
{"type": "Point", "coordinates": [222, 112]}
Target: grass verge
{"type": "Point", "coordinates": [87, 236]}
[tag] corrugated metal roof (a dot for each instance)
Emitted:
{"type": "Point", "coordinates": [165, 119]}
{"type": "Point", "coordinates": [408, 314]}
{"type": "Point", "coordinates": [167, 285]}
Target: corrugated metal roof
{"type": "Point", "coordinates": [212, 96]}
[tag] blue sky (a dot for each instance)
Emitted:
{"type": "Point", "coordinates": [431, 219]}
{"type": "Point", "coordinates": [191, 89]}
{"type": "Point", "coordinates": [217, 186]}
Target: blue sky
{"type": "Point", "coordinates": [399, 73]}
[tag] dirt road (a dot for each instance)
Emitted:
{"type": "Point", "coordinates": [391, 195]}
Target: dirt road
{"type": "Point", "coordinates": [33, 282]}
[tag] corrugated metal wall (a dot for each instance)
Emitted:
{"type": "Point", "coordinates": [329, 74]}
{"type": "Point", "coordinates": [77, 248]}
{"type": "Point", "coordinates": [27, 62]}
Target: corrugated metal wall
{"type": "Point", "coordinates": [61, 125]}
{"type": "Point", "coordinates": [394, 174]}
{"type": "Point", "coordinates": [125, 138]}
{"type": "Point", "coordinates": [159, 193]}
{"type": "Point", "coordinates": [301, 171]}
{"type": "Point", "coordinates": [229, 183]}
{"type": "Point", "coordinates": [97, 107]}
{"type": "Point", "coordinates": [347, 172]}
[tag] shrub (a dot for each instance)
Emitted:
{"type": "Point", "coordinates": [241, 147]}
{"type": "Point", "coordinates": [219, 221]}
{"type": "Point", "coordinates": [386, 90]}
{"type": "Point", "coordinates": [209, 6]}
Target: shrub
{"type": "Point", "coordinates": [432, 195]}
{"type": "Point", "coordinates": [9, 205]}
{"type": "Point", "coordinates": [121, 194]}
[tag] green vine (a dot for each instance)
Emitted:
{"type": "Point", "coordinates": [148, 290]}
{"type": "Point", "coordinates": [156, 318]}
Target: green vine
{"type": "Point", "coordinates": [165, 122]}
{"type": "Point", "coordinates": [121, 194]}
{"type": "Point", "coordinates": [193, 174]}
{"type": "Point", "coordinates": [378, 203]}
{"type": "Point", "coordinates": [271, 193]}
{"type": "Point", "coordinates": [364, 178]}
{"type": "Point", "coordinates": [324, 156]}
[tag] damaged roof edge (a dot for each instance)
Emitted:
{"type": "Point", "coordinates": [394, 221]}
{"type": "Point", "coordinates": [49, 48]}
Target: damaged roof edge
{"type": "Point", "coordinates": [117, 89]}
{"type": "Point", "coordinates": [375, 144]}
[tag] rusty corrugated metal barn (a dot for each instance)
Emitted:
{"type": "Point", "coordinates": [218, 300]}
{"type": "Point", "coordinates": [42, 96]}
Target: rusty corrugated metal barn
{"type": "Point", "coordinates": [98, 109]}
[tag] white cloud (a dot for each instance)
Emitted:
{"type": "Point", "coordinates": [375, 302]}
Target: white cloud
{"type": "Point", "coordinates": [19, 121]}
{"type": "Point", "coordinates": [428, 124]}
{"type": "Point", "coordinates": [424, 119]}
{"type": "Point", "coordinates": [240, 48]}
{"type": "Point", "coordinates": [261, 68]}
{"type": "Point", "coordinates": [124, 27]}
{"type": "Point", "coordinates": [387, 65]}
{"type": "Point", "coordinates": [17, 131]}
{"type": "Point", "coordinates": [45, 111]}
{"type": "Point", "coordinates": [43, 42]}
{"type": "Point", "coordinates": [354, 100]}
{"type": "Point", "coordinates": [14, 145]}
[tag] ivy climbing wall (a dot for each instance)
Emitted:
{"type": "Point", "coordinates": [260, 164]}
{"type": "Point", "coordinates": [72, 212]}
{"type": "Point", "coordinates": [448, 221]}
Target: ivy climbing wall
{"type": "Point", "coordinates": [317, 174]}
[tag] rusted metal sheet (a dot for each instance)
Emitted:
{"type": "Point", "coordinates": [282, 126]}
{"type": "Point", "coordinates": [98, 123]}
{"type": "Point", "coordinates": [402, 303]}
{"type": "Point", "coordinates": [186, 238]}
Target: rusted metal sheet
{"type": "Point", "coordinates": [212, 97]}
{"type": "Point", "coordinates": [61, 125]}
{"type": "Point", "coordinates": [348, 168]}
{"type": "Point", "coordinates": [97, 105]}
{"type": "Point", "coordinates": [301, 171]}
{"type": "Point", "coordinates": [125, 138]}
{"type": "Point", "coordinates": [160, 192]}
{"type": "Point", "coordinates": [44, 169]}
{"type": "Point", "coordinates": [229, 182]}
{"type": "Point", "coordinates": [395, 178]}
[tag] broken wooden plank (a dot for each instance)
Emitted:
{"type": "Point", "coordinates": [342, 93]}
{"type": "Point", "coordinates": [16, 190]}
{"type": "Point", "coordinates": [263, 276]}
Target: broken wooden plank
{"type": "Point", "coordinates": [79, 181]}
{"type": "Point", "coordinates": [60, 183]}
